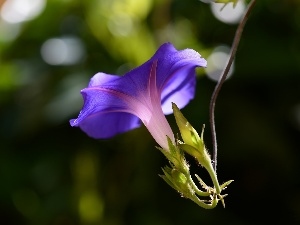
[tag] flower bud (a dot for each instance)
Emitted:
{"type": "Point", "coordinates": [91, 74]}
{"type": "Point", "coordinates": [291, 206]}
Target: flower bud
{"type": "Point", "coordinates": [193, 144]}
{"type": "Point", "coordinates": [188, 133]}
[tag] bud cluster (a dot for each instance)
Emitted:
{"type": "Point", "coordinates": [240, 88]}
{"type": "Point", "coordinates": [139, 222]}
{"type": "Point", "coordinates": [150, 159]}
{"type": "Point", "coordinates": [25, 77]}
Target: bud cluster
{"type": "Point", "coordinates": [177, 174]}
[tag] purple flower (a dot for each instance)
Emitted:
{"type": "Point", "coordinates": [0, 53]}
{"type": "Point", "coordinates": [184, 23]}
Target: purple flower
{"type": "Point", "coordinates": [115, 104]}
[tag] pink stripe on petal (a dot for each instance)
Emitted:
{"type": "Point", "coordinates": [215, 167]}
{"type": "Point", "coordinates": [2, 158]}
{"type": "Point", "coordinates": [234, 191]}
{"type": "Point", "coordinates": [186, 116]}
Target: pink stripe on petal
{"type": "Point", "coordinates": [156, 123]}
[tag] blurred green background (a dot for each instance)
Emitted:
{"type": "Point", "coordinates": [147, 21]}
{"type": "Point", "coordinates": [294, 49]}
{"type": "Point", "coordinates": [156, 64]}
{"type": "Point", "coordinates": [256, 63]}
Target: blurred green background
{"type": "Point", "coordinates": [53, 174]}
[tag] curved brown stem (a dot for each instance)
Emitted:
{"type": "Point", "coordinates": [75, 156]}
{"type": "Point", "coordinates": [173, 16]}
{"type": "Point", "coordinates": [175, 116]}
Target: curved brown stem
{"type": "Point", "coordinates": [218, 87]}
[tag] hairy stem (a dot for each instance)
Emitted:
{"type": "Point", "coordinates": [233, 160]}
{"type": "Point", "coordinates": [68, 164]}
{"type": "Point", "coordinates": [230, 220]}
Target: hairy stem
{"type": "Point", "coordinates": [218, 87]}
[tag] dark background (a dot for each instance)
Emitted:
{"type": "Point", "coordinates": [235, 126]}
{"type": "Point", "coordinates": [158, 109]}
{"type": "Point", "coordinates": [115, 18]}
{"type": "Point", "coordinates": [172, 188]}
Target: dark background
{"type": "Point", "coordinates": [53, 174]}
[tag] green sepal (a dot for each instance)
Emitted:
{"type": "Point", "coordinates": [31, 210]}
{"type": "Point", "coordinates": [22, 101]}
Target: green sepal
{"type": "Point", "coordinates": [178, 181]}
{"type": "Point", "coordinates": [224, 185]}
{"type": "Point", "coordinates": [201, 155]}
{"type": "Point", "coordinates": [203, 185]}
{"type": "Point", "coordinates": [167, 177]}
{"type": "Point", "coordinates": [176, 156]}
{"type": "Point", "coordinates": [227, 1]}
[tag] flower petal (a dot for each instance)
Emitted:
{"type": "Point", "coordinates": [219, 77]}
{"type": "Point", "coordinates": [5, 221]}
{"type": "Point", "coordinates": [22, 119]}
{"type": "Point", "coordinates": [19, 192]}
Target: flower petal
{"type": "Point", "coordinates": [171, 60]}
{"type": "Point", "coordinates": [175, 75]}
{"type": "Point", "coordinates": [107, 125]}
{"type": "Point", "coordinates": [169, 63]}
{"type": "Point", "coordinates": [179, 86]}
{"type": "Point", "coordinates": [105, 109]}
{"type": "Point", "coordinates": [179, 89]}
{"type": "Point", "coordinates": [156, 122]}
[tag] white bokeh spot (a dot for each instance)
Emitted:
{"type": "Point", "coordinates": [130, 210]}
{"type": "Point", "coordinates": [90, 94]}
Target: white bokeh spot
{"type": "Point", "coordinates": [63, 51]}
{"type": "Point", "coordinates": [18, 11]}
{"type": "Point", "coordinates": [217, 61]}
{"type": "Point", "coordinates": [228, 13]}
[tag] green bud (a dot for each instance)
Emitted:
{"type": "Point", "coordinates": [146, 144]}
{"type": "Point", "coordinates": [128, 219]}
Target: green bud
{"type": "Point", "coordinates": [188, 133]}
{"type": "Point", "coordinates": [179, 177]}
{"type": "Point", "coordinates": [177, 180]}
{"type": "Point", "coordinates": [200, 154]}
{"type": "Point", "coordinates": [181, 183]}
{"type": "Point", "coordinates": [193, 144]}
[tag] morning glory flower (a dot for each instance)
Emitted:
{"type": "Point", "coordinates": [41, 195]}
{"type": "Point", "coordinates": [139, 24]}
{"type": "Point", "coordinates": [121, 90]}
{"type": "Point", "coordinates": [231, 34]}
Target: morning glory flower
{"type": "Point", "coordinates": [116, 104]}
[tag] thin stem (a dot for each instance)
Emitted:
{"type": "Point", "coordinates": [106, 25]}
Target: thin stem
{"type": "Point", "coordinates": [213, 176]}
{"type": "Point", "coordinates": [214, 96]}
{"type": "Point", "coordinates": [195, 188]}
{"type": "Point", "coordinates": [203, 204]}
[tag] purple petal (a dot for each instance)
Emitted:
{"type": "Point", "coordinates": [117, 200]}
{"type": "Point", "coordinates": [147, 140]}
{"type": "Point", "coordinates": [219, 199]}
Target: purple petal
{"type": "Point", "coordinates": [102, 78]}
{"type": "Point", "coordinates": [107, 125]}
{"type": "Point", "coordinates": [180, 90]}
{"type": "Point", "coordinates": [171, 61]}
{"type": "Point", "coordinates": [179, 86]}
{"type": "Point", "coordinates": [175, 75]}
{"type": "Point", "coordinates": [105, 112]}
